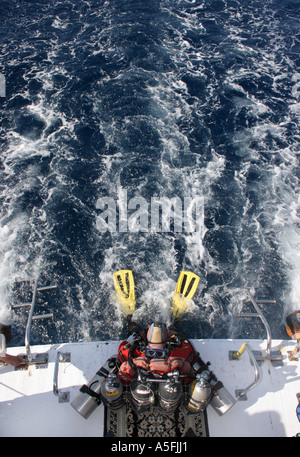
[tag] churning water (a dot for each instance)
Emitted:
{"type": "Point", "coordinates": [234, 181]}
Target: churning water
{"type": "Point", "coordinates": [131, 99]}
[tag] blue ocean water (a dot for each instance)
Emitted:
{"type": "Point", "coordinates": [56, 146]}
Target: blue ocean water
{"type": "Point", "coordinates": [134, 99]}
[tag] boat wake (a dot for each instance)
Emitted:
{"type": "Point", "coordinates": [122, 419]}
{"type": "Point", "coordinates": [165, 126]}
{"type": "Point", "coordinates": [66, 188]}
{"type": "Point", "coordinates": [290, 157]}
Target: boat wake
{"type": "Point", "coordinates": [133, 102]}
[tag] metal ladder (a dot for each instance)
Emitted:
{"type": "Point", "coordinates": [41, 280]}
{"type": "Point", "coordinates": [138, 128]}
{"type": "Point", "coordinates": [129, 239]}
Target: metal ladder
{"type": "Point", "coordinates": [39, 358]}
{"type": "Point", "coordinates": [268, 354]}
{"type": "Point", "coordinates": [256, 357]}
{"type": "Point", "coordinates": [273, 356]}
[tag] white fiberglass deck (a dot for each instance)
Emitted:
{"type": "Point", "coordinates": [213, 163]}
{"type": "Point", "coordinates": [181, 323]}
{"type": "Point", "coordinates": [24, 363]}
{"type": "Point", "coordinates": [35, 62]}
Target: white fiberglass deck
{"type": "Point", "coordinates": [28, 406]}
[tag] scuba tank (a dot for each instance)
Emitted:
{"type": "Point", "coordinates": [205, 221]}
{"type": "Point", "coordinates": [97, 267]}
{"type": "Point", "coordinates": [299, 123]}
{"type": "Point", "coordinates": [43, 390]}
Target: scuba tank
{"type": "Point", "coordinates": [112, 392]}
{"type": "Point", "coordinates": [89, 397]}
{"type": "Point", "coordinates": [170, 393]}
{"type": "Point", "coordinates": [209, 391]}
{"type": "Point", "coordinates": [142, 394]}
{"type": "Point", "coordinates": [199, 394]}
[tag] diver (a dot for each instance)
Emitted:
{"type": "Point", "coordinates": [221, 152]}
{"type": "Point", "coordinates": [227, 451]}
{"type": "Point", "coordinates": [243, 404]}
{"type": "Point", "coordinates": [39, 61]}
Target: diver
{"type": "Point", "coordinates": [293, 330]}
{"type": "Point", "coordinates": [157, 367]}
{"type": "Point", "coordinates": [161, 351]}
{"type": "Point", "coordinates": [165, 355]}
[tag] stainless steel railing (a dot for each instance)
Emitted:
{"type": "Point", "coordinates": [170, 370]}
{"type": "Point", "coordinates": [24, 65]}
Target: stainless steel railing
{"type": "Point", "coordinates": [257, 375]}
{"type": "Point", "coordinates": [32, 317]}
{"type": "Point", "coordinates": [61, 357]}
{"type": "Point", "coordinates": [274, 356]}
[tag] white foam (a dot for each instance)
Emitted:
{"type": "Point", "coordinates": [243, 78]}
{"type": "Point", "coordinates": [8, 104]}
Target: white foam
{"type": "Point", "coordinates": [179, 169]}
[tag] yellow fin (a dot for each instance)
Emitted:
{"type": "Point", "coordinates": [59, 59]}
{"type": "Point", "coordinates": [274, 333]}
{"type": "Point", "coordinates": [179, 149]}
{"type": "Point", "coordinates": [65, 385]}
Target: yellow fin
{"type": "Point", "coordinates": [124, 285]}
{"type": "Point", "coordinates": [185, 289]}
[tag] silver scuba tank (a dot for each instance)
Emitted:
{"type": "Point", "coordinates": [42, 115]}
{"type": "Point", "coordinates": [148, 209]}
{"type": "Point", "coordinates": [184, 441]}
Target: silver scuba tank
{"type": "Point", "coordinates": [112, 392]}
{"type": "Point", "coordinates": [199, 394]}
{"type": "Point", "coordinates": [89, 397]}
{"type": "Point", "coordinates": [142, 395]}
{"type": "Point", "coordinates": [220, 400]}
{"type": "Point", "coordinates": [170, 393]}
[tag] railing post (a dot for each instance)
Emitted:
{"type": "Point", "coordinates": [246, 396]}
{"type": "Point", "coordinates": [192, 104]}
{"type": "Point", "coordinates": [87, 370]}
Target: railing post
{"type": "Point", "coordinates": [28, 326]}
{"type": "Point", "coordinates": [62, 357]}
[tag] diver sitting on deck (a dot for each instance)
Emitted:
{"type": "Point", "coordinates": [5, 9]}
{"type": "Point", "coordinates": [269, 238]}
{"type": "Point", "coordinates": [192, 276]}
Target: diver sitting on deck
{"type": "Point", "coordinates": [162, 351]}
{"type": "Point", "coordinates": [167, 357]}
{"type": "Point", "coordinates": [160, 369]}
